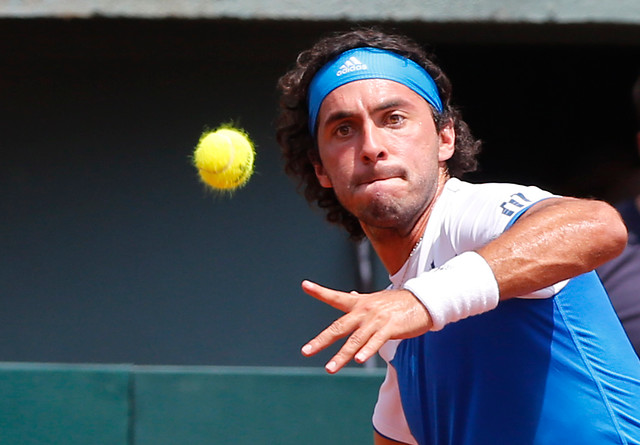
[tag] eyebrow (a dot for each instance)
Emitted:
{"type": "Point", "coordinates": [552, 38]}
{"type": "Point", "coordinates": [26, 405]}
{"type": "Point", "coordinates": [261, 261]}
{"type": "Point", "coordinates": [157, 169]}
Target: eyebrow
{"type": "Point", "coordinates": [341, 114]}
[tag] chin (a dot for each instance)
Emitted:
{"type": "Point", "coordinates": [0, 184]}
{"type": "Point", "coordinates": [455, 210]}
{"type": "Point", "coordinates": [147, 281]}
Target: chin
{"type": "Point", "coordinates": [389, 211]}
{"type": "Point", "coordinates": [384, 214]}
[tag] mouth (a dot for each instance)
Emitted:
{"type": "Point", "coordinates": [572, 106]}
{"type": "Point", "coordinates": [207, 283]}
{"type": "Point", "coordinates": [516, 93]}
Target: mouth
{"type": "Point", "coordinates": [379, 176]}
{"type": "Point", "coordinates": [382, 179]}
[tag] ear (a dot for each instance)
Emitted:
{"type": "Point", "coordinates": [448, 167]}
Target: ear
{"type": "Point", "coordinates": [447, 142]}
{"type": "Point", "coordinates": [322, 176]}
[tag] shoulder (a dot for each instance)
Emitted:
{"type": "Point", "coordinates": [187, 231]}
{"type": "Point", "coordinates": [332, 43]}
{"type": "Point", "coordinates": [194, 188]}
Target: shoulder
{"type": "Point", "coordinates": [473, 214]}
{"type": "Point", "coordinates": [458, 190]}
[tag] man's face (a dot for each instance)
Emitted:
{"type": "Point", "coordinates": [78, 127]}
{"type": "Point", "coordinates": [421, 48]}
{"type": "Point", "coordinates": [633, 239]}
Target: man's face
{"type": "Point", "coordinates": [380, 151]}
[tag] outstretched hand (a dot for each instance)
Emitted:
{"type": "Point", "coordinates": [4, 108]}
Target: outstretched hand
{"type": "Point", "coordinates": [369, 321]}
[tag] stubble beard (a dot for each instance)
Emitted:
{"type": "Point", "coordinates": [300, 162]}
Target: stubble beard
{"type": "Point", "coordinates": [399, 214]}
{"type": "Point", "coordinates": [385, 212]}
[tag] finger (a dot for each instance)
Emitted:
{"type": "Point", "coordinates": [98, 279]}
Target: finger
{"type": "Point", "coordinates": [340, 300]}
{"type": "Point", "coordinates": [354, 344]}
{"type": "Point", "coordinates": [337, 330]}
{"type": "Point", "coordinates": [372, 347]}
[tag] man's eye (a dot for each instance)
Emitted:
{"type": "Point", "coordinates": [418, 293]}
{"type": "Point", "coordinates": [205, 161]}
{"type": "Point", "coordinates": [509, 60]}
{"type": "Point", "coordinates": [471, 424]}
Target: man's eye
{"type": "Point", "coordinates": [343, 130]}
{"type": "Point", "coordinates": [395, 119]}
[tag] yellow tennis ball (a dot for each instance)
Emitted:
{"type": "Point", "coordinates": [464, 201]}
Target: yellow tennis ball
{"type": "Point", "coordinates": [224, 158]}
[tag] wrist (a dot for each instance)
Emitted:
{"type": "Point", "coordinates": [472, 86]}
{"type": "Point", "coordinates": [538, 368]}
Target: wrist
{"type": "Point", "coordinates": [462, 287]}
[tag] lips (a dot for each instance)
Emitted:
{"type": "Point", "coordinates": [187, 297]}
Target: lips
{"type": "Point", "coordinates": [379, 175]}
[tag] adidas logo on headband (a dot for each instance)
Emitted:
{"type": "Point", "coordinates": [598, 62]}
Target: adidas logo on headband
{"type": "Point", "coordinates": [352, 64]}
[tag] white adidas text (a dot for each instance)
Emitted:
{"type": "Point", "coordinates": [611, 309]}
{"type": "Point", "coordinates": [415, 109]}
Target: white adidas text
{"type": "Point", "coordinates": [351, 65]}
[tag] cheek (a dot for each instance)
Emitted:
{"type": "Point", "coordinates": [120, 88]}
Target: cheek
{"type": "Point", "coordinates": [423, 152]}
{"type": "Point", "coordinates": [338, 162]}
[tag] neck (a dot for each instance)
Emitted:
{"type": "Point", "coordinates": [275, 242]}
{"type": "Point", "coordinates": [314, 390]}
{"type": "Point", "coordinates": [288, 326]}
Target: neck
{"type": "Point", "coordinates": [395, 245]}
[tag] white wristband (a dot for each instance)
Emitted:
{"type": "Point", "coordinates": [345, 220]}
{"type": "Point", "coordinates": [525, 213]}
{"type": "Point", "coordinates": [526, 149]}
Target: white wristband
{"type": "Point", "coordinates": [461, 287]}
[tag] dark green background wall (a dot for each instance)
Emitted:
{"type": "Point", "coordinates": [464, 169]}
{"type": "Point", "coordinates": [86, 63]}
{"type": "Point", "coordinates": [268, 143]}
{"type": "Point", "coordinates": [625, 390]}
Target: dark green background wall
{"type": "Point", "coordinates": [127, 405]}
{"type": "Point", "coordinates": [111, 251]}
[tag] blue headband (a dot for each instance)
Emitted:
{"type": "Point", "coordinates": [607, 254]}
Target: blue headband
{"type": "Point", "coordinates": [369, 63]}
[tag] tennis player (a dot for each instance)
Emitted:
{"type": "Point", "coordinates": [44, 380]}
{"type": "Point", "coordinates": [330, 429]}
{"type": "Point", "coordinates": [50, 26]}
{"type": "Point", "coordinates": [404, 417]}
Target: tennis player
{"type": "Point", "coordinates": [495, 328]}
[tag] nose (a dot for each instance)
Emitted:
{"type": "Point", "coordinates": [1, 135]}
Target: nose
{"type": "Point", "coordinates": [373, 148]}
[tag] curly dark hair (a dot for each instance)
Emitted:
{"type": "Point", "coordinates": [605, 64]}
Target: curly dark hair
{"type": "Point", "coordinates": [299, 146]}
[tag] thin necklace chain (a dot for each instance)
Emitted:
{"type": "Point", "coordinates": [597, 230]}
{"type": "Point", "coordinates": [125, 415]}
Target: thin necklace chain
{"type": "Point", "coordinates": [416, 247]}
{"type": "Point", "coordinates": [408, 265]}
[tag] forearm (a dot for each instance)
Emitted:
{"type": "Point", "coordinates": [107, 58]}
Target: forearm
{"type": "Point", "coordinates": [555, 240]}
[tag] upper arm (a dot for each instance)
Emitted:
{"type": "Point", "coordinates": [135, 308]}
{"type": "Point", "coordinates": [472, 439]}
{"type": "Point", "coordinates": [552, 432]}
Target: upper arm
{"type": "Point", "coordinates": [554, 240]}
{"type": "Point", "coordinates": [595, 225]}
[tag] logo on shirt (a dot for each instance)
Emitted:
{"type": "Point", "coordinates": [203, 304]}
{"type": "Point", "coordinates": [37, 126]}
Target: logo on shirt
{"type": "Point", "coordinates": [352, 64]}
{"type": "Point", "coordinates": [515, 203]}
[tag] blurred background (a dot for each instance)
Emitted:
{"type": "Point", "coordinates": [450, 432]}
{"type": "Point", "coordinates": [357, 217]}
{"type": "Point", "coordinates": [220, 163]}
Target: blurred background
{"type": "Point", "coordinates": [112, 251]}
